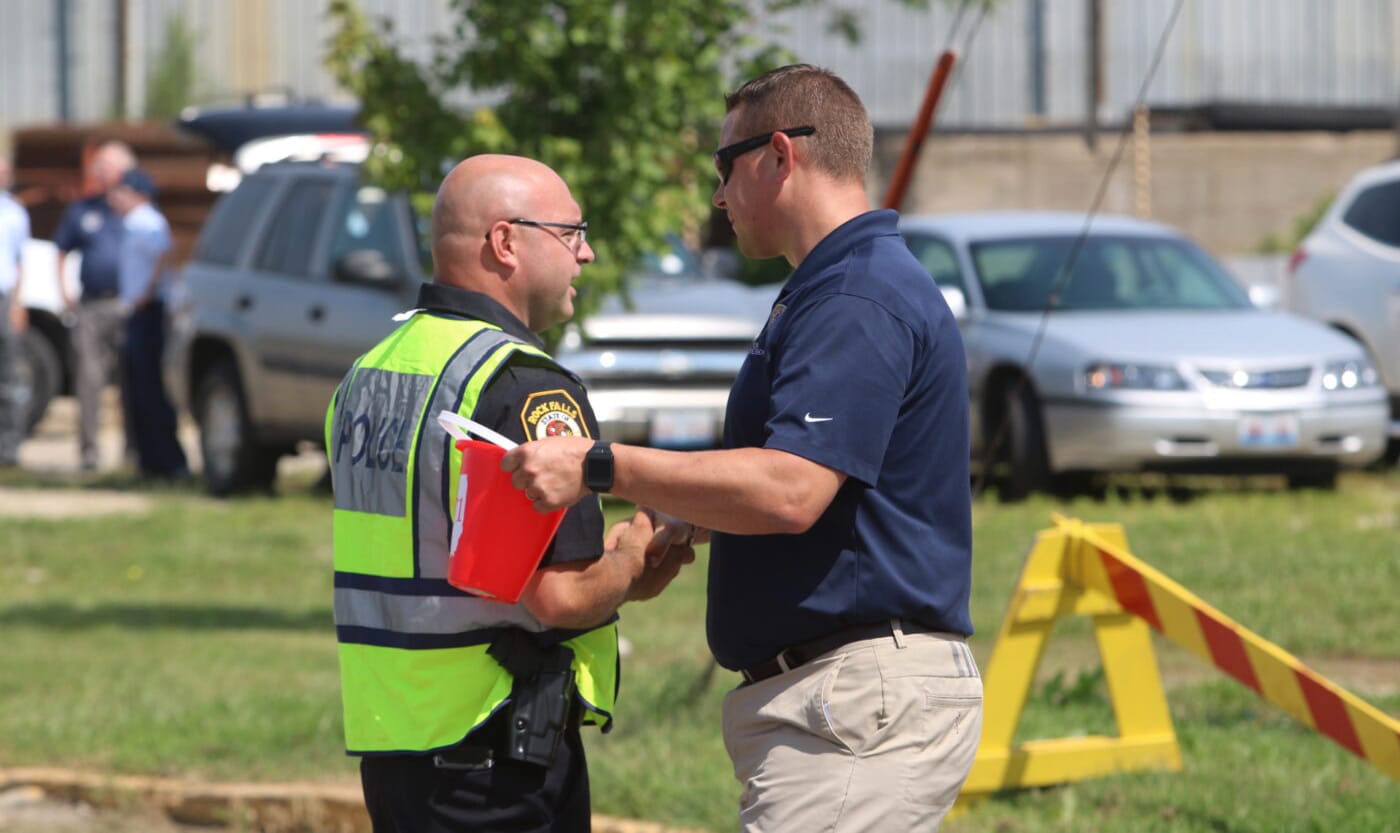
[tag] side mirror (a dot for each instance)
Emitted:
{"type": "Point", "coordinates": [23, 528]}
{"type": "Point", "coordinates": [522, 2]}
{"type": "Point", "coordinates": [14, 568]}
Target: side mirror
{"type": "Point", "coordinates": [957, 302]}
{"type": "Point", "coordinates": [368, 267]}
{"type": "Point", "coordinates": [1264, 296]}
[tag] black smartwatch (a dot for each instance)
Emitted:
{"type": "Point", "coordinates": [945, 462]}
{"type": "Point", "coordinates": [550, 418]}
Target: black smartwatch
{"type": "Point", "coordinates": [598, 467]}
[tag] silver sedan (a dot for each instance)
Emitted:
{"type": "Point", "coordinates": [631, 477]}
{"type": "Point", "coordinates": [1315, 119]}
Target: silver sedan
{"type": "Point", "coordinates": [1150, 358]}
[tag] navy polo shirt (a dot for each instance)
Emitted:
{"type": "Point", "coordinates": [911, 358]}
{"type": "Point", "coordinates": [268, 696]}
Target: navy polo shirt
{"type": "Point", "coordinates": [860, 368]}
{"type": "Point", "coordinates": [91, 226]}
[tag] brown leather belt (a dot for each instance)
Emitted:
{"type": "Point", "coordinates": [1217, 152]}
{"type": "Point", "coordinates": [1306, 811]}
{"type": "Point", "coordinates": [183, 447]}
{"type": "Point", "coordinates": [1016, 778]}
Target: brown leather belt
{"type": "Point", "coordinates": [807, 651]}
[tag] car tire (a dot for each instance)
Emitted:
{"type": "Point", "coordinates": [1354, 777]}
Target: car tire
{"type": "Point", "coordinates": [1068, 485]}
{"type": "Point", "coordinates": [233, 460]}
{"type": "Point", "coordinates": [1025, 463]}
{"type": "Point", "coordinates": [40, 372]}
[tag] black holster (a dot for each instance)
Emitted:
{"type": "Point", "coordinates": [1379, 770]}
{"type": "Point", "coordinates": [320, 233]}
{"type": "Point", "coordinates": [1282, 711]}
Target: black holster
{"type": "Point", "coordinates": [541, 698]}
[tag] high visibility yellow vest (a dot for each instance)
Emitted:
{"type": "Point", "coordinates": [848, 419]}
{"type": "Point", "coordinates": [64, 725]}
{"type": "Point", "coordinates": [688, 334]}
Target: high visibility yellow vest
{"type": "Point", "coordinates": [415, 675]}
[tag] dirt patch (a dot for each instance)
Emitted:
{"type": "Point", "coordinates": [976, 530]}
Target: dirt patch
{"type": "Point", "coordinates": [69, 503]}
{"type": "Point", "coordinates": [63, 801]}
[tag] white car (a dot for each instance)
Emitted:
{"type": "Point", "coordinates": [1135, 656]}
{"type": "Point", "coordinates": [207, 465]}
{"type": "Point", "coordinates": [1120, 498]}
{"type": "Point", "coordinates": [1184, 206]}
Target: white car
{"type": "Point", "coordinates": [1347, 274]}
{"type": "Point", "coordinates": [1153, 358]}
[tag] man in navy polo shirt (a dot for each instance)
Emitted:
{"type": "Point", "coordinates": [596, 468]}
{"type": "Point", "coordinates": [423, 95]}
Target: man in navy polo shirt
{"type": "Point", "coordinates": [91, 226]}
{"type": "Point", "coordinates": [840, 566]}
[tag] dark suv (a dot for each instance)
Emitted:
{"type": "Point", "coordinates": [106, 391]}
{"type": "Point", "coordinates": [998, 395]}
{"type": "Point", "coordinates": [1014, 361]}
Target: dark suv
{"type": "Point", "coordinates": [297, 272]}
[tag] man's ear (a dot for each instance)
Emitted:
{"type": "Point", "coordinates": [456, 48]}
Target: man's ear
{"type": "Point", "coordinates": [782, 156]}
{"type": "Point", "coordinates": [503, 244]}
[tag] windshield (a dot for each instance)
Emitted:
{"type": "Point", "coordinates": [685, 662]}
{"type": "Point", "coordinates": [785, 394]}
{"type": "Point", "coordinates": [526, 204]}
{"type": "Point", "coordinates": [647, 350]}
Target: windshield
{"type": "Point", "coordinates": [1110, 273]}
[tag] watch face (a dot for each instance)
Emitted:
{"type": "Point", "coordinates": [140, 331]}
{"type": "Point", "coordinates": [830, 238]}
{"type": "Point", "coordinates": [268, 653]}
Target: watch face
{"type": "Point", "coordinates": [598, 468]}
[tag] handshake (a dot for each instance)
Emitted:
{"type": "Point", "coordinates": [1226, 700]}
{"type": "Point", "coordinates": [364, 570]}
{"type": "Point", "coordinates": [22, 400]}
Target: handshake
{"type": "Point", "coordinates": [656, 546]}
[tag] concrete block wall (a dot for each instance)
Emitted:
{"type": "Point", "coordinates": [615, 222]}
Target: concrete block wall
{"type": "Point", "coordinates": [1228, 191]}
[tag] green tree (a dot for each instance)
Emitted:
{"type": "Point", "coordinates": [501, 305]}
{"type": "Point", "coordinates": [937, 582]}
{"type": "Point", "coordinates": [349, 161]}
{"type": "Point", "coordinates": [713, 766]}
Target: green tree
{"type": "Point", "coordinates": [624, 99]}
{"type": "Point", "coordinates": [172, 83]}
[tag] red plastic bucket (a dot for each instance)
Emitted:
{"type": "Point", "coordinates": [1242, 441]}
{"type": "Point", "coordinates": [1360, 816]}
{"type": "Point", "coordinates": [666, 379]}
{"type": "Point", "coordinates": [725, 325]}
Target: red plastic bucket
{"type": "Point", "coordinates": [498, 537]}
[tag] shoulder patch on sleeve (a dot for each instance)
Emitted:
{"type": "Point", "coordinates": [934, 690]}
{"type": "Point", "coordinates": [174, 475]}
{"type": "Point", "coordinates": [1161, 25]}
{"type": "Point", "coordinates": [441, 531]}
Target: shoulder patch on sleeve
{"type": "Point", "coordinates": [552, 413]}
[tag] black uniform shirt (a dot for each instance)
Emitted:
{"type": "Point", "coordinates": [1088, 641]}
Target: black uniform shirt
{"type": "Point", "coordinates": [529, 400]}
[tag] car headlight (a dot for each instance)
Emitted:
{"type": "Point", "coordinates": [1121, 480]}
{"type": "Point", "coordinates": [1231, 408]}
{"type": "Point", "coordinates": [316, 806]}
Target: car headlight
{"type": "Point", "coordinates": [1104, 376]}
{"type": "Point", "coordinates": [1349, 375]}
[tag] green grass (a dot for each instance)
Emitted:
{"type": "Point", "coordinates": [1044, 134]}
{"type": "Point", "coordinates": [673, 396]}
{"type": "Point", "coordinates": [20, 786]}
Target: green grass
{"type": "Point", "coordinates": [196, 640]}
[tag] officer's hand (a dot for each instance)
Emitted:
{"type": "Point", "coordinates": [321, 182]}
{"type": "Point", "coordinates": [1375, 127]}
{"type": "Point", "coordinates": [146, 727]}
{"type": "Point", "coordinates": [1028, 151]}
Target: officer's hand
{"type": "Point", "coordinates": [660, 572]}
{"type": "Point", "coordinates": [670, 531]}
{"type": "Point", "coordinates": [549, 471]}
{"type": "Point", "coordinates": [627, 540]}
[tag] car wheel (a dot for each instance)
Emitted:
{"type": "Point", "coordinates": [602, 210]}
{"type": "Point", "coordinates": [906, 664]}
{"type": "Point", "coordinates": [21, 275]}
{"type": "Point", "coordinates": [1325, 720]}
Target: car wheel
{"type": "Point", "coordinates": [40, 372]}
{"type": "Point", "coordinates": [1324, 479]}
{"type": "Point", "coordinates": [1068, 485]}
{"type": "Point", "coordinates": [1026, 466]}
{"type": "Point", "coordinates": [233, 460]}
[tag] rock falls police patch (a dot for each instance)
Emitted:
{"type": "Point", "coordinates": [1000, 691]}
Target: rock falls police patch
{"type": "Point", "coordinates": [552, 413]}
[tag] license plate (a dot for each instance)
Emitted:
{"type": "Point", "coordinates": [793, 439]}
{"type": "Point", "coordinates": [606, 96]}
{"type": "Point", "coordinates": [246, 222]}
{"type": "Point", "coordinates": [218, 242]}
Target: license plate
{"type": "Point", "coordinates": [1269, 430]}
{"type": "Point", "coordinates": [682, 429]}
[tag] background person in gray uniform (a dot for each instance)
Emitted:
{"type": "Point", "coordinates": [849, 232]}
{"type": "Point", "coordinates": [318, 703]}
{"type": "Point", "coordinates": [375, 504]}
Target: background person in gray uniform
{"type": "Point", "coordinates": [91, 227]}
{"type": "Point", "coordinates": [14, 231]}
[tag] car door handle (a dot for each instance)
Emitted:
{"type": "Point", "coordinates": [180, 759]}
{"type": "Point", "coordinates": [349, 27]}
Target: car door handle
{"type": "Point", "coordinates": [244, 303]}
{"type": "Point", "coordinates": [316, 313]}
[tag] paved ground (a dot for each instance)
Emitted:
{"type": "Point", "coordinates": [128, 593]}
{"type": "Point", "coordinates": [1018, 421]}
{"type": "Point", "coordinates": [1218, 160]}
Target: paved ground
{"type": "Point", "coordinates": [53, 447]}
{"type": "Point", "coordinates": [29, 809]}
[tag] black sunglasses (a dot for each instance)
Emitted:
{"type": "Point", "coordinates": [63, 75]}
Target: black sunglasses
{"type": "Point", "coordinates": [725, 156]}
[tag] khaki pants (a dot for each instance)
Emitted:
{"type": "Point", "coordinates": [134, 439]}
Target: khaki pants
{"type": "Point", "coordinates": [97, 345]}
{"type": "Point", "coordinates": [877, 735]}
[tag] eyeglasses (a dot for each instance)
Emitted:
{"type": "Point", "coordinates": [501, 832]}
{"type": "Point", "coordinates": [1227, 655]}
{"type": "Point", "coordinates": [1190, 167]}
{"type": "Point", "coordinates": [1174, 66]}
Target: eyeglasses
{"type": "Point", "coordinates": [573, 236]}
{"type": "Point", "coordinates": [725, 156]}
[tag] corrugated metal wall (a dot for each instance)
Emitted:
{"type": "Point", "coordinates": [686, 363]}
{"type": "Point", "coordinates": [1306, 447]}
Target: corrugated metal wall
{"type": "Point", "coordinates": [1271, 51]}
{"type": "Point", "coordinates": [1324, 52]}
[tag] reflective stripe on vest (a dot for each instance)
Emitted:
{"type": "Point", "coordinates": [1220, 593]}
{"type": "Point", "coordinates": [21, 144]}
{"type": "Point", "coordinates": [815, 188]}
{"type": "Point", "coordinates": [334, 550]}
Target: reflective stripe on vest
{"type": "Point", "coordinates": [414, 671]}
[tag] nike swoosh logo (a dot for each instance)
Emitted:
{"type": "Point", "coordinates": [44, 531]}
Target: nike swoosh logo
{"type": "Point", "coordinates": [809, 418]}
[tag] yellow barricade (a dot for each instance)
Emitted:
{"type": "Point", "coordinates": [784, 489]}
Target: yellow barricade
{"type": "Point", "coordinates": [1078, 569]}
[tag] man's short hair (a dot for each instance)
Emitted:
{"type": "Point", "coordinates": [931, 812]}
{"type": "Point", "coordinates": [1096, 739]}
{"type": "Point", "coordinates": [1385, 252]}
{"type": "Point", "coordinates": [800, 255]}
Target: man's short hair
{"type": "Point", "coordinates": [802, 95]}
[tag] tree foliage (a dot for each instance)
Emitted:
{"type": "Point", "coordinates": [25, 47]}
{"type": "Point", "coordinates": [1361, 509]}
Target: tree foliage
{"type": "Point", "coordinates": [173, 82]}
{"type": "Point", "coordinates": [623, 99]}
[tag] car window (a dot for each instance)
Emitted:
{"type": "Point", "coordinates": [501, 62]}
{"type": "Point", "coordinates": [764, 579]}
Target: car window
{"type": "Point", "coordinates": [368, 220]}
{"type": "Point", "coordinates": [226, 232]}
{"type": "Point", "coordinates": [940, 261]}
{"type": "Point", "coordinates": [1013, 274]}
{"type": "Point", "coordinates": [291, 239]}
{"type": "Point", "coordinates": [1109, 273]}
{"type": "Point", "coordinates": [1376, 213]}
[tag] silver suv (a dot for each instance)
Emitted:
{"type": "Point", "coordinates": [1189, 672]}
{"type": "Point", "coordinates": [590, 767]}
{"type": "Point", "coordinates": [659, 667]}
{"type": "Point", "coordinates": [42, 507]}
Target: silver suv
{"type": "Point", "coordinates": [297, 272]}
{"type": "Point", "coordinates": [659, 369]}
{"type": "Point", "coordinates": [1347, 274]}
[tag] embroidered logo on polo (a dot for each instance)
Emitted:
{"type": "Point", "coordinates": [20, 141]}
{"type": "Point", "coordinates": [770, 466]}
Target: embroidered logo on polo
{"type": "Point", "coordinates": [756, 350]}
{"type": "Point", "coordinates": [552, 413]}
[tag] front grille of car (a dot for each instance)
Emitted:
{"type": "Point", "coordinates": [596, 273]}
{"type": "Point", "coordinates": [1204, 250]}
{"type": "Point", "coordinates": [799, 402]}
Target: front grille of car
{"type": "Point", "coordinates": [1240, 379]}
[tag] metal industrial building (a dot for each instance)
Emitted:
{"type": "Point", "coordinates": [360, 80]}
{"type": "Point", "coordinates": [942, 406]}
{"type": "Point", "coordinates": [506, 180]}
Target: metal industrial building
{"type": "Point", "coordinates": [86, 60]}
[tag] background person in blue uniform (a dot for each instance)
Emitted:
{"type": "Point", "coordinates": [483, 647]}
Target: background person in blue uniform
{"type": "Point", "coordinates": [143, 271]}
{"type": "Point", "coordinates": [504, 252]}
{"type": "Point", "coordinates": [841, 560]}
{"type": "Point", "coordinates": [14, 232]}
{"type": "Point", "coordinates": [91, 227]}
